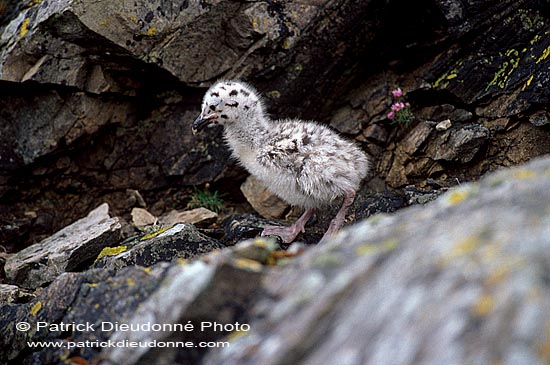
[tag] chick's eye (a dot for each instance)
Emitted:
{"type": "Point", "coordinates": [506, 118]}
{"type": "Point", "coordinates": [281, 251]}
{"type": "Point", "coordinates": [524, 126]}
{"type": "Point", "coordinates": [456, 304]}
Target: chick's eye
{"type": "Point", "coordinates": [213, 108]}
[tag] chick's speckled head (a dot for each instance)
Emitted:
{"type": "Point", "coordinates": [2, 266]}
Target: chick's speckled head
{"type": "Point", "coordinates": [226, 102]}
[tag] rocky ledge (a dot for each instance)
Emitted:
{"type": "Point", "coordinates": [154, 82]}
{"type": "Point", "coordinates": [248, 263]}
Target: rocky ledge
{"type": "Point", "coordinates": [461, 279]}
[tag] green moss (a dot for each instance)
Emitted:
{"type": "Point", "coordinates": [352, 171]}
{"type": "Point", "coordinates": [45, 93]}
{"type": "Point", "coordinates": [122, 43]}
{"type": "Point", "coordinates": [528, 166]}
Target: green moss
{"type": "Point", "coordinates": [205, 198]}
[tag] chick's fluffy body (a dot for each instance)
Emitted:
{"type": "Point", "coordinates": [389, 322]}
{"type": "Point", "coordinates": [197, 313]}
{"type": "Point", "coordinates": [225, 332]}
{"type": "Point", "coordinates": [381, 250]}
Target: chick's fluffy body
{"type": "Point", "coordinates": [304, 163]}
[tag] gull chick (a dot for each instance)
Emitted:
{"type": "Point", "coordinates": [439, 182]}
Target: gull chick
{"type": "Point", "coordinates": [304, 163]}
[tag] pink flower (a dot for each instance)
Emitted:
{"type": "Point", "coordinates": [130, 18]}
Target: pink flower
{"type": "Point", "coordinates": [397, 93]}
{"type": "Point", "coordinates": [397, 107]}
{"type": "Point", "coordinates": [391, 115]}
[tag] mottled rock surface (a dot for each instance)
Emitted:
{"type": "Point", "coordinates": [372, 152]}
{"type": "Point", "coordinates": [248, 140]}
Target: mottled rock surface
{"type": "Point", "coordinates": [64, 251]}
{"type": "Point", "coordinates": [217, 289]}
{"type": "Point", "coordinates": [181, 241]}
{"type": "Point", "coordinates": [461, 280]}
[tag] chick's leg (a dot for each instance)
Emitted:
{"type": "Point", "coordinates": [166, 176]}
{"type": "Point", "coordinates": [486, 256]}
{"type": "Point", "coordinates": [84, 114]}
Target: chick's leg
{"type": "Point", "coordinates": [288, 234]}
{"type": "Point", "coordinates": [338, 221]}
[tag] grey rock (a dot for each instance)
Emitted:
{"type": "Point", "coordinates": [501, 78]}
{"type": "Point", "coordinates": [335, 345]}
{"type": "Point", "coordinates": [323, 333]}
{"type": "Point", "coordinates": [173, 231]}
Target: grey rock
{"type": "Point", "coordinates": [153, 31]}
{"type": "Point", "coordinates": [179, 241]}
{"type": "Point", "coordinates": [87, 298]}
{"type": "Point", "coordinates": [258, 249]}
{"type": "Point", "coordinates": [64, 251]}
{"type": "Point", "coordinates": [13, 294]}
{"type": "Point", "coordinates": [213, 292]}
{"type": "Point", "coordinates": [461, 144]}
{"type": "Point", "coordinates": [539, 119]}
{"type": "Point", "coordinates": [347, 120]}
{"type": "Point", "coordinates": [417, 137]}
{"type": "Point", "coordinates": [383, 202]}
{"type": "Point", "coordinates": [49, 307]}
{"type": "Point", "coordinates": [414, 196]}
{"type": "Point", "coordinates": [240, 227]}
{"type": "Point", "coordinates": [376, 133]}
{"type": "Point", "coordinates": [35, 124]}
{"type": "Point", "coordinates": [448, 282]}
{"type": "Point", "coordinates": [216, 289]}
{"type": "Point", "coordinates": [441, 112]}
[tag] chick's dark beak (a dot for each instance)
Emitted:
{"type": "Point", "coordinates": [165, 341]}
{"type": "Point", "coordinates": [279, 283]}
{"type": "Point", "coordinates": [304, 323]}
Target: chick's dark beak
{"type": "Point", "coordinates": [202, 122]}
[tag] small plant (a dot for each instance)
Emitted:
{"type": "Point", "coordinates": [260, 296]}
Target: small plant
{"type": "Point", "coordinates": [400, 111]}
{"type": "Point", "coordinates": [206, 199]}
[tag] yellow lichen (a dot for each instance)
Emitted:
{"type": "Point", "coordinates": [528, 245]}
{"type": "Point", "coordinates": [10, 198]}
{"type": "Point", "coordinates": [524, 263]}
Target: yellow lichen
{"type": "Point", "coordinates": [438, 81]}
{"type": "Point", "coordinates": [286, 43]}
{"type": "Point", "coordinates": [525, 174]}
{"type": "Point", "coordinates": [24, 27]}
{"type": "Point", "coordinates": [154, 234]}
{"type": "Point", "coordinates": [497, 78]}
{"type": "Point", "coordinates": [96, 306]}
{"type": "Point", "coordinates": [152, 31]}
{"type": "Point", "coordinates": [490, 252]}
{"type": "Point", "coordinates": [535, 39]}
{"type": "Point", "coordinates": [443, 80]}
{"type": "Point", "coordinates": [484, 305]}
{"type": "Point", "coordinates": [92, 285]}
{"type": "Point", "coordinates": [181, 261]}
{"type": "Point", "coordinates": [274, 94]}
{"type": "Point", "coordinates": [528, 82]}
{"type": "Point", "coordinates": [147, 270]}
{"type": "Point", "coordinates": [236, 334]}
{"type": "Point", "coordinates": [130, 282]}
{"type": "Point", "coordinates": [500, 77]}
{"type": "Point", "coordinates": [111, 251]}
{"type": "Point", "coordinates": [544, 55]}
{"type": "Point", "coordinates": [247, 264]}
{"type": "Point", "coordinates": [457, 196]}
{"type": "Point", "coordinates": [497, 276]}
{"type": "Point", "coordinates": [465, 246]}
{"type": "Point", "coordinates": [260, 242]}
{"type": "Point", "coordinates": [504, 269]}
{"type": "Point", "coordinates": [36, 308]}
{"type": "Point", "coordinates": [370, 249]}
